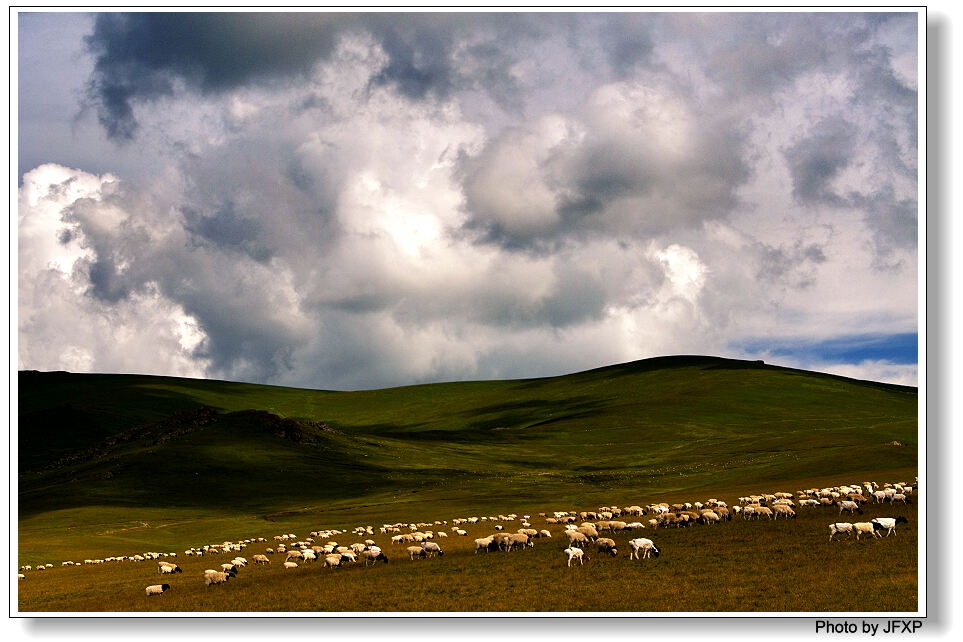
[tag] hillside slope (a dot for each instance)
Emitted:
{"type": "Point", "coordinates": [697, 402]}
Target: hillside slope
{"type": "Point", "coordinates": [649, 427]}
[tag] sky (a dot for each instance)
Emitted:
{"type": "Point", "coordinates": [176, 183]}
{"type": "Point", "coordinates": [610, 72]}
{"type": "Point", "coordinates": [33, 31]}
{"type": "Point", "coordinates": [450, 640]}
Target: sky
{"type": "Point", "coordinates": [362, 200]}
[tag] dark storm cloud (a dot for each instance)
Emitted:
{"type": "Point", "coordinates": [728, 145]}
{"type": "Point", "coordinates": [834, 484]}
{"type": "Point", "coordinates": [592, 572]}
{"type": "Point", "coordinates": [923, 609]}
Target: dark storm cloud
{"type": "Point", "coordinates": [419, 59]}
{"type": "Point", "coordinates": [225, 228]}
{"type": "Point", "coordinates": [793, 266]}
{"type": "Point", "coordinates": [894, 223]}
{"type": "Point", "coordinates": [333, 195]}
{"type": "Point", "coordinates": [816, 160]}
{"type": "Point", "coordinates": [627, 42]}
{"type": "Point", "coordinates": [140, 56]}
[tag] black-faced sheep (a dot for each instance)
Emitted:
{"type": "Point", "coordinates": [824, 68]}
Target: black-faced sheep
{"type": "Point", "coordinates": [606, 545]}
{"type": "Point", "coordinates": [519, 540]}
{"type": "Point", "coordinates": [432, 549]}
{"type": "Point", "coordinates": [216, 577]}
{"type": "Point", "coordinates": [485, 544]}
{"type": "Point", "coordinates": [373, 556]}
{"type": "Point", "coordinates": [157, 589]}
{"type": "Point", "coordinates": [867, 528]}
{"type": "Point", "coordinates": [889, 523]}
{"type": "Point", "coordinates": [840, 527]}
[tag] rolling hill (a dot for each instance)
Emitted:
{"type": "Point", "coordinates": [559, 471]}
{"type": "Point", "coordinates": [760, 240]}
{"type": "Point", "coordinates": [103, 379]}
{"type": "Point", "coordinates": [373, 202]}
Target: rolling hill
{"type": "Point", "coordinates": [647, 428]}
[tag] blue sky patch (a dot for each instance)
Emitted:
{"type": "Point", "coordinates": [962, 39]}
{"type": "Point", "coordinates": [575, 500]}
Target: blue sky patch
{"type": "Point", "coordinates": [894, 348]}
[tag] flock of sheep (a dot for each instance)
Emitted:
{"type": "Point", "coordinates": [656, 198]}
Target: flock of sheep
{"type": "Point", "coordinates": [579, 538]}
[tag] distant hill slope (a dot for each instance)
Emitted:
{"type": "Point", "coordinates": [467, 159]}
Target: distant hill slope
{"type": "Point", "coordinates": [651, 426]}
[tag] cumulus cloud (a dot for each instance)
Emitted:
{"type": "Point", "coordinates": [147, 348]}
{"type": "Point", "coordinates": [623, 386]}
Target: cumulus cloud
{"type": "Point", "coordinates": [398, 198]}
{"type": "Point", "coordinates": [637, 159]}
{"type": "Point", "coordinates": [63, 321]}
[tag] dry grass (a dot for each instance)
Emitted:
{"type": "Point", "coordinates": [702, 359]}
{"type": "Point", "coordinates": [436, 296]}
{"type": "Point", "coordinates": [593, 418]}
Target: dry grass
{"type": "Point", "coordinates": [753, 567]}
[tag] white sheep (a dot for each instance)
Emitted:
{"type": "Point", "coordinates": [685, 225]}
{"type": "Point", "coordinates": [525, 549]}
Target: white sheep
{"type": "Point", "coordinates": [889, 523]}
{"type": "Point", "coordinates": [850, 506]}
{"type": "Point", "coordinates": [157, 589]}
{"type": "Point", "coordinates": [290, 565]}
{"type": "Point", "coordinates": [783, 509]}
{"type": "Point", "coordinates": [606, 545]}
{"type": "Point", "coordinates": [374, 556]}
{"type": "Point", "coordinates": [647, 547]}
{"type": "Point", "coordinates": [432, 549]}
{"type": "Point", "coordinates": [840, 527]}
{"type": "Point", "coordinates": [574, 553]}
{"type": "Point", "coordinates": [332, 560]}
{"type": "Point", "coordinates": [577, 538]}
{"type": "Point", "coordinates": [484, 544]}
{"type": "Point", "coordinates": [216, 577]}
{"type": "Point", "coordinates": [867, 528]}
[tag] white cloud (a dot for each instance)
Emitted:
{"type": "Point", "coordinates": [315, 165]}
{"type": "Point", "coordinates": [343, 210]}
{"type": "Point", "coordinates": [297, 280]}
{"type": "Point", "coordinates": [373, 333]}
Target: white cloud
{"type": "Point", "coordinates": [62, 327]}
{"type": "Point", "coordinates": [338, 232]}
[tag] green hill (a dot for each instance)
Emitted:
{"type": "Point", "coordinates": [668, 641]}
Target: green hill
{"type": "Point", "coordinates": [647, 428]}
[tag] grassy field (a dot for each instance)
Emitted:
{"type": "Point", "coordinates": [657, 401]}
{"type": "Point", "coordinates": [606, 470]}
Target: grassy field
{"type": "Point", "coordinates": [740, 566]}
{"type": "Point", "coordinates": [116, 465]}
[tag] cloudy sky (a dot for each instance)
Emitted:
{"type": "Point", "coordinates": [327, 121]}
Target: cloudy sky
{"type": "Point", "coordinates": [350, 201]}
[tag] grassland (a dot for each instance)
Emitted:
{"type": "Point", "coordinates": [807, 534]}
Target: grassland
{"type": "Point", "coordinates": [114, 465]}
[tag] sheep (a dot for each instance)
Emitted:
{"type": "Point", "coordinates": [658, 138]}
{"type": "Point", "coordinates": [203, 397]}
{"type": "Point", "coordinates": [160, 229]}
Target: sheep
{"type": "Point", "coordinates": [606, 545]}
{"type": "Point", "coordinates": [229, 568]}
{"type": "Point", "coordinates": [416, 551]}
{"type": "Point", "coordinates": [784, 510]}
{"type": "Point", "coordinates": [168, 569]}
{"type": "Point", "coordinates": [500, 540]}
{"type": "Point", "coordinates": [647, 547]}
{"type": "Point", "coordinates": [850, 506]}
{"type": "Point", "coordinates": [432, 549]}
{"type": "Point", "coordinates": [373, 556]}
{"type": "Point", "coordinates": [867, 528]}
{"type": "Point", "coordinates": [519, 540]}
{"type": "Point", "coordinates": [765, 510]}
{"type": "Point", "coordinates": [294, 555]}
{"type": "Point", "coordinates": [889, 523]}
{"type": "Point", "coordinates": [295, 564]}
{"type": "Point", "coordinates": [840, 527]}
{"type": "Point", "coordinates": [485, 544]}
{"type": "Point", "coordinates": [574, 553]}
{"type": "Point", "coordinates": [544, 533]}
{"type": "Point", "coordinates": [577, 538]}
{"type": "Point", "coordinates": [157, 589]}
{"type": "Point", "coordinates": [900, 497]}
{"type": "Point", "coordinates": [261, 559]}
{"type": "Point", "coordinates": [216, 577]}
{"type": "Point", "coordinates": [709, 517]}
